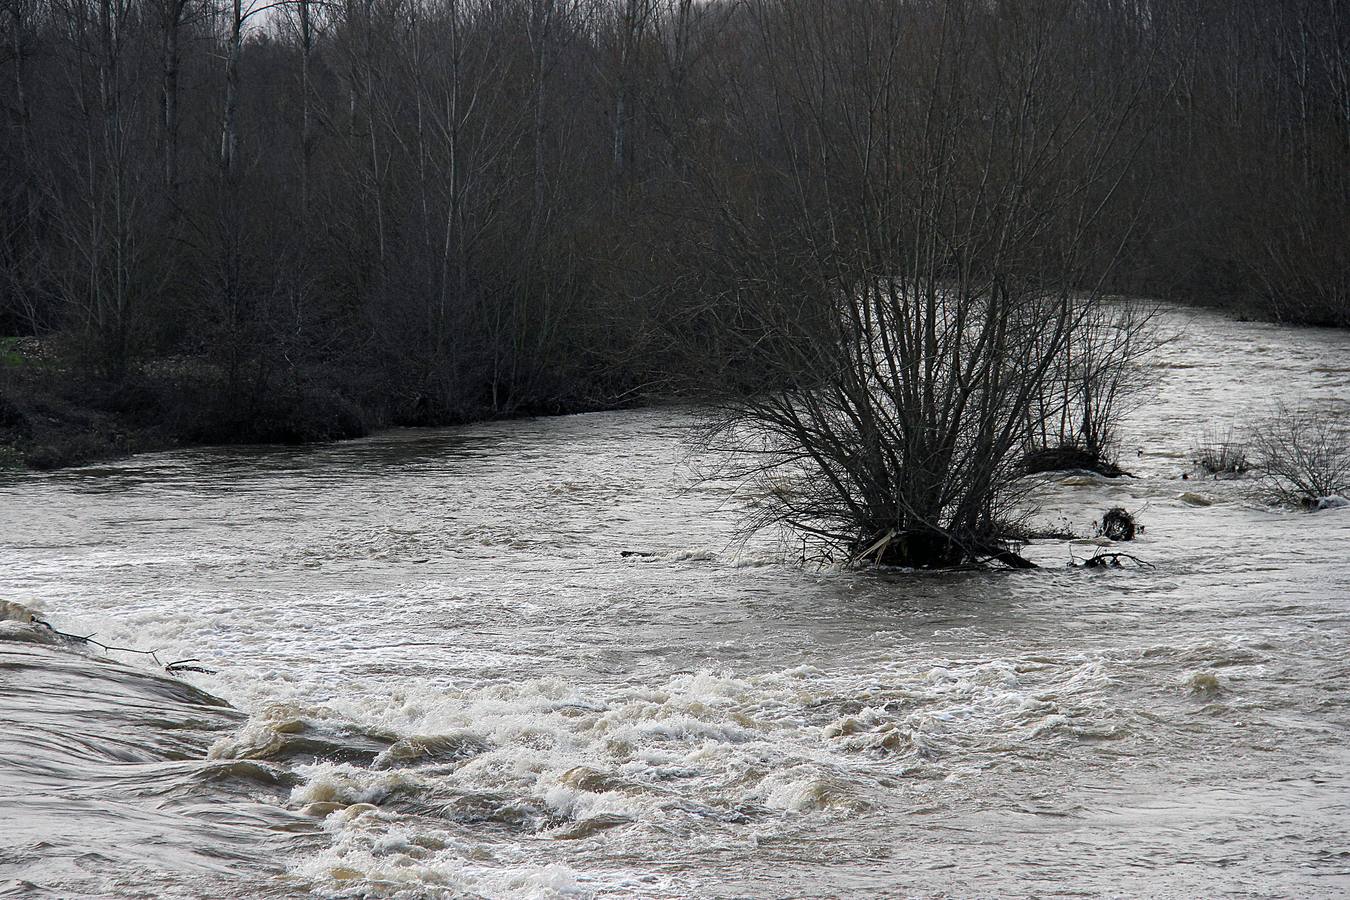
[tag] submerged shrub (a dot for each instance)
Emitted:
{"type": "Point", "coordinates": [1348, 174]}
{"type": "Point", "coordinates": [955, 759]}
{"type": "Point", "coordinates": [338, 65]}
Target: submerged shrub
{"type": "Point", "coordinates": [1225, 454]}
{"type": "Point", "coordinates": [1118, 524]}
{"type": "Point", "coordinates": [1101, 372]}
{"type": "Point", "coordinates": [1069, 458]}
{"type": "Point", "coordinates": [1303, 456]}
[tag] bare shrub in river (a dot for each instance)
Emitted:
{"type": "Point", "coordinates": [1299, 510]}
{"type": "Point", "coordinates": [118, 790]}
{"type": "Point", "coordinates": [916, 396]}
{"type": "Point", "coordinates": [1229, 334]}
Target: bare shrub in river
{"type": "Point", "coordinates": [1100, 374]}
{"type": "Point", "coordinates": [1303, 457]}
{"type": "Point", "coordinates": [1222, 454]}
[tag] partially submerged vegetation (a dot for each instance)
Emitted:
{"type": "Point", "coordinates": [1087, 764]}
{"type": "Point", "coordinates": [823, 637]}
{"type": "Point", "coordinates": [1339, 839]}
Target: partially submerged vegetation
{"type": "Point", "coordinates": [1222, 455]}
{"type": "Point", "coordinates": [1303, 458]}
{"type": "Point", "coordinates": [1294, 456]}
{"type": "Point", "coordinates": [1118, 524]}
{"type": "Point", "coordinates": [1069, 458]}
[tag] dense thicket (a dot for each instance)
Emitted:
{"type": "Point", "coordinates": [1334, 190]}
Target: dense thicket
{"type": "Point", "coordinates": [427, 210]}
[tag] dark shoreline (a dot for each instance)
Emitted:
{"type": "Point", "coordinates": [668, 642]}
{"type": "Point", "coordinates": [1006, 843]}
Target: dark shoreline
{"type": "Point", "coordinates": [53, 419]}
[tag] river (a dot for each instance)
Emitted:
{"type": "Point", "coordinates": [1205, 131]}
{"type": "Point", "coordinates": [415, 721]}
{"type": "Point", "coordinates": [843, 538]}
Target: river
{"type": "Point", "coordinates": [530, 659]}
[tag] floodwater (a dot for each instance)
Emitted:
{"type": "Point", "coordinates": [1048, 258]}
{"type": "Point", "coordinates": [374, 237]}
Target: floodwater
{"type": "Point", "coordinates": [437, 674]}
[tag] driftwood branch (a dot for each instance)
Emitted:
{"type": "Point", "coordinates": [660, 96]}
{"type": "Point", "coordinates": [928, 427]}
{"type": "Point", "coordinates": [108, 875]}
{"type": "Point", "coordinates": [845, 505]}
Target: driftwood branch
{"type": "Point", "coordinates": [1112, 561]}
{"type": "Point", "coordinates": [181, 665]}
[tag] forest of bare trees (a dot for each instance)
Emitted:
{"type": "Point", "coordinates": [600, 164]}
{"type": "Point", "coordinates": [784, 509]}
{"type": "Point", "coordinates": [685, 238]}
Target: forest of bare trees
{"type": "Point", "coordinates": [297, 219]}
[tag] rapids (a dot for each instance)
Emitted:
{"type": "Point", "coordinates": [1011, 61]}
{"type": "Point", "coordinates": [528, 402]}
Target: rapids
{"type": "Point", "coordinates": [437, 674]}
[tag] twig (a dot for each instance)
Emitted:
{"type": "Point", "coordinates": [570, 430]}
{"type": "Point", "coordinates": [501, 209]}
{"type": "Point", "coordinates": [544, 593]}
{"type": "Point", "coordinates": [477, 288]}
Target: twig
{"type": "Point", "coordinates": [183, 665]}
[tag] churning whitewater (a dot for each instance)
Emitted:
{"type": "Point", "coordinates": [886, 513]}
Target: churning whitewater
{"type": "Point", "coordinates": [531, 659]}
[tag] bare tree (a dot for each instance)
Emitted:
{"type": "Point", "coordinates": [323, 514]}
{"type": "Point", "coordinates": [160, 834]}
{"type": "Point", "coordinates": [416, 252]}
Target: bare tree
{"type": "Point", "coordinates": [942, 195]}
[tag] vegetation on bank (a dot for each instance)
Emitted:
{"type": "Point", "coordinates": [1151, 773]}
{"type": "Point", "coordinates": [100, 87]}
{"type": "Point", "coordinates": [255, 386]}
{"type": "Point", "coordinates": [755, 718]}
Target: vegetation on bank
{"type": "Point", "coordinates": [53, 415]}
{"type": "Point", "coordinates": [51, 418]}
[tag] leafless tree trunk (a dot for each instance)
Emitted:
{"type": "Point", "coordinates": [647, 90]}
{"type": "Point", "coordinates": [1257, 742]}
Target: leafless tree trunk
{"type": "Point", "coordinates": [633, 20]}
{"type": "Point", "coordinates": [229, 132]}
{"type": "Point", "coordinates": [171, 25]}
{"type": "Point", "coordinates": [305, 8]}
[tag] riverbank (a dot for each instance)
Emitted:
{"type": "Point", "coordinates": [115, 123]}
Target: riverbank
{"type": "Point", "coordinates": [53, 415]}
{"type": "Point", "coordinates": [1298, 312]}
